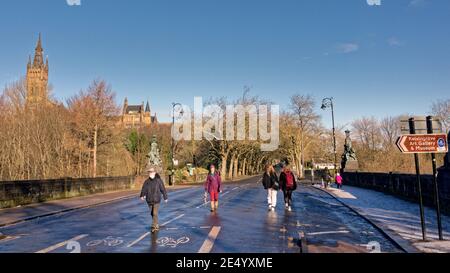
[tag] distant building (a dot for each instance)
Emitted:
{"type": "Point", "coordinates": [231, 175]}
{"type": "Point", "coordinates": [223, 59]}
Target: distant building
{"type": "Point", "coordinates": [136, 116]}
{"type": "Point", "coordinates": [322, 166]}
{"type": "Point", "coordinates": [37, 77]}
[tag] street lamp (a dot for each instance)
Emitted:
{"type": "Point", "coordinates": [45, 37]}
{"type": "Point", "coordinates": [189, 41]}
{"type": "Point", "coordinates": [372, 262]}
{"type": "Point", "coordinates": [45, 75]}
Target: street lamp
{"type": "Point", "coordinates": [172, 171]}
{"type": "Point", "coordinates": [328, 103]}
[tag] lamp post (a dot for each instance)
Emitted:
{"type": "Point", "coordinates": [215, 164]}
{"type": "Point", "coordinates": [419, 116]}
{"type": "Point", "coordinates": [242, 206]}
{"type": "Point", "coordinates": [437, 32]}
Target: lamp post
{"type": "Point", "coordinates": [172, 171]}
{"type": "Point", "coordinates": [328, 103]}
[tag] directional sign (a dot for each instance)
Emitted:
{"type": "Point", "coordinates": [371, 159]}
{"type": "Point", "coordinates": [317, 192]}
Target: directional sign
{"type": "Point", "coordinates": [423, 144]}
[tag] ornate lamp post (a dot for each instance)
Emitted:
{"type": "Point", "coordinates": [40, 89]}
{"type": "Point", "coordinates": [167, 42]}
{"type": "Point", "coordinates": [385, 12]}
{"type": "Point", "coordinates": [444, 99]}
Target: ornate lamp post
{"type": "Point", "coordinates": [172, 171]}
{"type": "Point", "coordinates": [328, 103]}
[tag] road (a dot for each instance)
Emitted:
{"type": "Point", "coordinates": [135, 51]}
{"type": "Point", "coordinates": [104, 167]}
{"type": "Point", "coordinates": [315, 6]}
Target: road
{"type": "Point", "coordinates": [242, 225]}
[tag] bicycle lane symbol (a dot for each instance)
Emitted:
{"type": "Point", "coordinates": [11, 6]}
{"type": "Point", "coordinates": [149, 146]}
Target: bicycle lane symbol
{"type": "Point", "coordinates": [109, 241]}
{"type": "Point", "coordinates": [172, 242]}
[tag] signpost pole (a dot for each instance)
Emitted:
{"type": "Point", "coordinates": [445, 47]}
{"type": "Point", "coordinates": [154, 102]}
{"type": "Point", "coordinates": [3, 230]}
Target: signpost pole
{"type": "Point", "coordinates": [435, 182]}
{"type": "Point", "coordinates": [419, 184]}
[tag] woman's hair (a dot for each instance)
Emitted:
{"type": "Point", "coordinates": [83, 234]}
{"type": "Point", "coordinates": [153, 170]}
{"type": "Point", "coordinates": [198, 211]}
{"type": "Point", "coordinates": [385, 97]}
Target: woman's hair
{"type": "Point", "coordinates": [270, 169]}
{"type": "Point", "coordinates": [287, 168]}
{"type": "Point", "coordinates": [212, 166]}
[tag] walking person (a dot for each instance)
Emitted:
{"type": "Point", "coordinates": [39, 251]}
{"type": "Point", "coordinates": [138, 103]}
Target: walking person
{"type": "Point", "coordinates": [339, 181]}
{"type": "Point", "coordinates": [272, 185]}
{"type": "Point", "coordinates": [288, 185]}
{"type": "Point", "coordinates": [151, 192]}
{"type": "Point", "coordinates": [212, 187]}
{"type": "Point", "coordinates": [326, 177]}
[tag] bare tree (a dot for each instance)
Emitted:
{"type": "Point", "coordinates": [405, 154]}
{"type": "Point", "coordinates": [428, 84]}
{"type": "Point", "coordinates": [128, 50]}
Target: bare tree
{"type": "Point", "coordinates": [305, 119]}
{"type": "Point", "coordinates": [390, 128]}
{"type": "Point", "coordinates": [93, 112]}
{"type": "Point", "coordinates": [441, 109]}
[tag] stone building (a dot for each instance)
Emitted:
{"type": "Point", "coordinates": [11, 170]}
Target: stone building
{"type": "Point", "coordinates": [135, 116]}
{"type": "Point", "coordinates": [37, 77]}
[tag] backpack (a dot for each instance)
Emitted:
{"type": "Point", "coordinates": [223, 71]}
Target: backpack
{"type": "Point", "coordinates": [289, 180]}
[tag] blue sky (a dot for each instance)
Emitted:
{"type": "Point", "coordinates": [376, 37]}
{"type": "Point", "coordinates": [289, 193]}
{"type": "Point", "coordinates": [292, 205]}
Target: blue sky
{"type": "Point", "coordinates": [375, 60]}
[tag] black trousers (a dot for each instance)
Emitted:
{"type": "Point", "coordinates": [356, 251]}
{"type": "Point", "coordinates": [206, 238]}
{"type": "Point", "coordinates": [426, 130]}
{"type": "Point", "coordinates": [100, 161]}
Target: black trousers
{"type": "Point", "coordinates": [288, 197]}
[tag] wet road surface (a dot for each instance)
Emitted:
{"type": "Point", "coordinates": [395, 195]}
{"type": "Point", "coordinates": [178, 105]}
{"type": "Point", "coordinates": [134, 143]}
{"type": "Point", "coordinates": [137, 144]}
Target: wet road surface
{"type": "Point", "coordinates": [242, 225]}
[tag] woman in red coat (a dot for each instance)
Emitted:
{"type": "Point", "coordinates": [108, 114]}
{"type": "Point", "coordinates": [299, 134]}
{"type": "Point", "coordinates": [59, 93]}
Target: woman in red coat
{"type": "Point", "coordinates": [212, 187]}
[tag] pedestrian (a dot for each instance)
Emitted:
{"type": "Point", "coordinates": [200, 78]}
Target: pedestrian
{"type": "Point", "coordinates": [288, 186]}
{"type": "Point", "coordinates": [326, 177]}
{"type": "Point", "coordinates": [272, 185]}
{"type": "Point", "coordinates": [339, 180]}
{"type": "Point", "coordinates": [212, 187]}
{"type": "Point", "coordinates": [151, 192]}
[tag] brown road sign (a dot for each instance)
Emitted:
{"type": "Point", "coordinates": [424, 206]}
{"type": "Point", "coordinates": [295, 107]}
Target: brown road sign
{"type": "Point", "coordinates": [423, 144]}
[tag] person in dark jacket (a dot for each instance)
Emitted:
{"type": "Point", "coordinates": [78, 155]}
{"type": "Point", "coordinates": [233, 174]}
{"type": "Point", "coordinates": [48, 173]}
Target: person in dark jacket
{"type": "Point", "coordinates": [151, 192]}
{"type": "Point", "coordinates": [326, 177]}
{"type": "Point", "coordinates": [212, 187]}
{"type": "Point", "coordinates": [272, 185]}
{"type": "Point", "coordinates": [288, 185]}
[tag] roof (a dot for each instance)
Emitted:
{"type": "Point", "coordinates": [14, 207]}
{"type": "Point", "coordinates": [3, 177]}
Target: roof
{"type": "Point", "coordinates": [134, 108]}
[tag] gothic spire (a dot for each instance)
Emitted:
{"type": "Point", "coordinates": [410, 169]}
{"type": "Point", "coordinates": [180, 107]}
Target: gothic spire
{"type": "Point", "coordinates": [39, 44]}
{"type": "Point", "coordinates": [147, 108]}
{"type": "Point", "coordinates": [38, 56]}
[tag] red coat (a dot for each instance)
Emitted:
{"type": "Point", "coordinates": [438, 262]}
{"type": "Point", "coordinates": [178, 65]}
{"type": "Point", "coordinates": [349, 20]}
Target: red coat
{"type": "Point", "coordinates": [212, 183]}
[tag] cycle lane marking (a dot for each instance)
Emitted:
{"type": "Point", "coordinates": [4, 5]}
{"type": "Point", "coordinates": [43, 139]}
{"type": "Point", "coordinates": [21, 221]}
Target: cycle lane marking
{"type": "Point", "coordinates": [148, 233]}
{"type": "Point", "coordinates": [56, 246]}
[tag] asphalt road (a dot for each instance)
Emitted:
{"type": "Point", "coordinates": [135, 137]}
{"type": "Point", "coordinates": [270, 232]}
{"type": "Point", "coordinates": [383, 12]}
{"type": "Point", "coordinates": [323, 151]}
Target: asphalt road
{"type": "Point", "coordinates": [242, 225]}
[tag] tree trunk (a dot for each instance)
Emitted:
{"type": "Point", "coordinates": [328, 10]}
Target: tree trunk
{"type": "Point", "coordinates": [94, 164]}
{"type": "Point", "coordinates": [230, 168]}
{"type": "Point", "coordinates": [235, 167]}
{"type": "Point", "coordinates": [223, 168]}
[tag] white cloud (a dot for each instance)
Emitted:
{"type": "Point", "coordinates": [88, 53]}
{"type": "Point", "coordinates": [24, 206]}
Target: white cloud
{"type": "Point", "coordinates": [417, 3]}
{"type": "Point", "coordinates": [347, 48]}
{"type": "Point", "coordinates": [395, 42]}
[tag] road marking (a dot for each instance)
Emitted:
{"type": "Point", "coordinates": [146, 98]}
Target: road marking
{"type": "Point", "coordinates": [209, 242]}
{"type": "Point", "coordinates": [51, 248]}
{"type": "Point", "coordinates": [225, 193]}
{"type": "Point", "coordinates": [328, 232]}
{"type": "Point", "coordinates": [170, 221]}
{"type": "Point", "coordinates": [9, 238]}
{"type": "Point", "coordinates": [148, 233]}
{"type": "Point", "coordinates": [233, 189]}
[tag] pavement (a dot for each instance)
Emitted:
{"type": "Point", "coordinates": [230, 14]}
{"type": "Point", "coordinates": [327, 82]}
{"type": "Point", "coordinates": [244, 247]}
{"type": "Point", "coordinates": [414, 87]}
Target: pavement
{"type": "Point", "coordinates": [400, 219]}
{"type": "Point", "coordinates": [120, 223]}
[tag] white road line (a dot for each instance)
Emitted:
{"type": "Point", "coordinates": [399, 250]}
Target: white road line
{"type": "Point", "coordinates": [138, 239]}
{"type": "Point", "coordinates": [225, 193]}
{"type": "Point", "coordinates": [170, 221]}
{"type": "Point", "coordinates": [209, 242]}
{"type": "Point", "coordinates": [328, 232]}
{"type": "Point", "coordinates": [233, 189]}
{"type": "Point", "coordinates": [51, 248]}
{"type": "Point", "coordinates": [148, 233]}
{"type": "Point", "coordinates": [204, 204]}
{"type": "Point", "coordinates": [9, 238]}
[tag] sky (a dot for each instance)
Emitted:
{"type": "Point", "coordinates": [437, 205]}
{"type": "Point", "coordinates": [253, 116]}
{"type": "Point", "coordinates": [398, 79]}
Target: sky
{"type": "Point", "coordinates": [381, 60]}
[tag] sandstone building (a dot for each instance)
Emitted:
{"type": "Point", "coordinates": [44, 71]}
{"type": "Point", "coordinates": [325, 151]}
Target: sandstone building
{"type": "Point", "coordinates": [37, 77]}
{"type": "Point", "coordinates": [136, 116]}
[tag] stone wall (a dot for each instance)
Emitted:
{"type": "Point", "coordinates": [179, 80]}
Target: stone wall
{"type": "Point", "coordinates": [18, 193]}
{"type": "Point", "coordinates": [403, 186]}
